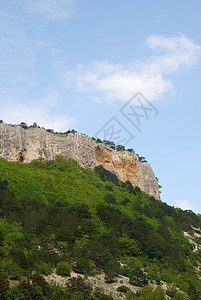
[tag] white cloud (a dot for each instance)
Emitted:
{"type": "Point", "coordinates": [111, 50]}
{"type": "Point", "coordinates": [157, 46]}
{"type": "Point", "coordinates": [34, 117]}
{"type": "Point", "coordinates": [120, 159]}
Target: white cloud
{"type": "Point", "coordinates": [40, 111]}
{"type": "Point", "coordinates": [184, 205]}
{"type": "Point", "coordinates": [49, 9]}
{"type": "Point", "coordinates": [179, 51]}
{"type": "Point", "coordinates": [116, 81]}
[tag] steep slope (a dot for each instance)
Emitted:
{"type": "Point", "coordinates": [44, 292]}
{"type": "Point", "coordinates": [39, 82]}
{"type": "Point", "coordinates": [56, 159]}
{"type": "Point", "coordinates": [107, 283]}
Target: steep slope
{"type": "Point", "coordinates": [56, 216]}
{"type": "Point", "coordinates": [24, 145]}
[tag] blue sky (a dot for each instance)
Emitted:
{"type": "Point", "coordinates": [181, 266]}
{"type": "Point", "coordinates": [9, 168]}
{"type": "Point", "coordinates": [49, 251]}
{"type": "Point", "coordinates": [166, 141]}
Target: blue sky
{"type": "Point", "coordinates": [75, 64]}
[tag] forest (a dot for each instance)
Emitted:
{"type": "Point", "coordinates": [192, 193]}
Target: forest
{"type": "Point", "coordinates": [56, 216]}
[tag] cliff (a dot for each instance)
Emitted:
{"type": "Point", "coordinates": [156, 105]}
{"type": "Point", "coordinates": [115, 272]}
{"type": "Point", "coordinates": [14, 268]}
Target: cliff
{"type": "Point", "coordinates": [24, 145]}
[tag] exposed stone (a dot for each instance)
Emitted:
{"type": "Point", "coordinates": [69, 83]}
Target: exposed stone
{"type": "Point", "coordinates": [24, 145]}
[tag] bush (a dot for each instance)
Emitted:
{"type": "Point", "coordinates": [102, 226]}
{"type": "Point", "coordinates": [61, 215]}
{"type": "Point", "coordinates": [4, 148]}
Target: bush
{"type": "Point", "coordinates": [171, 291]}
{"type": "Point", "coordinates": [27, 289]}
{"type": "Point", "coordinates": [137, 277]}
{"type": "Point", "coordinates": [106, 175]}
{"type": "Point", "coordinates": [109, 188]}
{"type": "Point", "coordinates": [110, 199]}
{"type": "Point", "coordinates": [43, 268]}
{"type": "Point", "coordinates": [84, 265]}
{"type": "Point", "coordinates": [111, 270]}
{"type": "Point", "coordinates": [4, 285]}
{"type": "Point", "coordinates": [79, 285]}
{"type": "Point", "coordinates": [13, 294]}
{"type": "Point", "coordinates": [137, 189]}
{"type": "Point", "coordinates": [63, 269]}
{"type": "Point", "coordinates": [125, 201]}
{"type": "Point", "coordinates": [39, 281]}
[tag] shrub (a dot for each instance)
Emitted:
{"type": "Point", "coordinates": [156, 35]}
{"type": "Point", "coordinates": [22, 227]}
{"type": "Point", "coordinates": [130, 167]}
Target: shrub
{"type": "Point", "coordinates": [110, 199]}
{"type": "Point", "coordinates": [137, 277]}
{"type": "Point", "coordinates": [63, 269]}
{"type": "Point", "coordinates": [13, 294]}
{"type": "Point", "coordinates": [4, 285]}
{"type": "Point", "coordinates": [106, 175]}
{"type": "Point", "coordinates": [111, 270]}
{"type": "Point", "coordinates": [79, 285]}
{"type": "Point", "coordinates": [43, 268]}
{"type": "Point", "coordinates": [39, 281]}
{"type": "Point", "coordinates": [27, 289]}
{"type": "Point", "coordinates": [109, 188]}
{"type": "Point", "coordinates": [125, 201]}
{"type": "Point", "coordinates": [83, 265]}
{"type": "Point", "coordinates": [171, 291]}
{"type": "Point", "coordinates": [137, 189]}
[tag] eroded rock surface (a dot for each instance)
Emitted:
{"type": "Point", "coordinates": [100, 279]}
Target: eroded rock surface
{"type": "Point", "coordinates": [24, 145]}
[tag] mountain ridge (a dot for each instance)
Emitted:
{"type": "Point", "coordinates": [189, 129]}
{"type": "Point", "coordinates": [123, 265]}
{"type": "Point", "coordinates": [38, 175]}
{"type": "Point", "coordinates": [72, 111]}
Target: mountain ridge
{"type": "Point", "coordinates": [25, 145]}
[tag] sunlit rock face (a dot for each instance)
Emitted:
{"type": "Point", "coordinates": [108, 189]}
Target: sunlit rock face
{"type": "Point", "coordinates": [24, 145]}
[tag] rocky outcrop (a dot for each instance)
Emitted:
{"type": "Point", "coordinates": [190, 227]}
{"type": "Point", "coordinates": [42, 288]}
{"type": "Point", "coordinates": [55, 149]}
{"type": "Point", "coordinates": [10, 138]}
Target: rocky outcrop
{"type": "Point", "coordinates": [24, 145]}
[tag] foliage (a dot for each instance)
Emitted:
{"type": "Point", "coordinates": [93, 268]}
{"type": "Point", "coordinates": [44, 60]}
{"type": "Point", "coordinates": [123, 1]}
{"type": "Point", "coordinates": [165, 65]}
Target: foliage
{"type": "Point", "coordinates": [43, 268]}
{"type": "Point", "coordinates": [54, 212]}
{"type": "Point", "coordinates": [106, 175]}
{"type": "Point", "coordinates": [4, 285]}
{"type": "Point", "coordinates": [63, 269]}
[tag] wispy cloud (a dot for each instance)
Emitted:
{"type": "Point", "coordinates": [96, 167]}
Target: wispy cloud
{"type": "Point", "coordinates": [50, 9]}
{"type": "Point", "coordinates": [40, 111]}
{"type": "Point", "coordinates": [184, 205]}
{"type": "Point", "coordinates": [17, 57]}
{"type": "Point", "coordinates": [117, 81]}
{"type": "Point", "coordinates": [20, 63]}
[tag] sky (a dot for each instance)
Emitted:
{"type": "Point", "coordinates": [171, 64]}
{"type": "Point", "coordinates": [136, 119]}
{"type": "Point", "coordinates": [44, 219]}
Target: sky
{"type": "Point", "coordinates": [122, 70]}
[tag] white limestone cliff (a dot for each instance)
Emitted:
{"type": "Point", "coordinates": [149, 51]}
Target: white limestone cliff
{"type": "Point", "coordinates": [24, 145]}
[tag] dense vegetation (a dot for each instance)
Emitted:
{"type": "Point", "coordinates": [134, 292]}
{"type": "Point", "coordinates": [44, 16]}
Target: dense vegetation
{"type": "Point", "coordinates": [59, 216]}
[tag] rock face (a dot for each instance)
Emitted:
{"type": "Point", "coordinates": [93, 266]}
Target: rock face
{"type": "Point", "coordinates": [24, 145]}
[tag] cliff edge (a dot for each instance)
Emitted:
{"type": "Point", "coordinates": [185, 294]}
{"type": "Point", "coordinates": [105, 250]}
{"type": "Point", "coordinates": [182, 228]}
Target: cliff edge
{"type": "Point", "coordinates": [24, 145]}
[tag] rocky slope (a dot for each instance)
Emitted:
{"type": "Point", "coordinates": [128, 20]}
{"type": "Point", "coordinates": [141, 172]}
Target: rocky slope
{"type": "Point", "coordinates": [24, 145]}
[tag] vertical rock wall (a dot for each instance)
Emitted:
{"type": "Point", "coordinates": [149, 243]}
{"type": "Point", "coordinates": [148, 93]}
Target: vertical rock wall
{"type": "Point", "coordinates": [24, 145]}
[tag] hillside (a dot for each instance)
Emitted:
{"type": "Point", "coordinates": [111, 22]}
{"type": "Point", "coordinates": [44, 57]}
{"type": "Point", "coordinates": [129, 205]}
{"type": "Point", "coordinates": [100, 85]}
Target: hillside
{"type": "Point", "coordinates": [58, 218]}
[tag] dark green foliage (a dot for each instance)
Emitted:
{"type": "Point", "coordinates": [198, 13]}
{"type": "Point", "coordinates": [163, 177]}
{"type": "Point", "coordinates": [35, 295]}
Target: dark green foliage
{"type": "Point", "coordinates": [110, 199]}
{"type": "Point", "coordinates": [83, 265]}
{"type": "Point", "coordinates": [69, 131]}
{"type": "Point", "coordinates": [4, 285]}
{"type": "Point", "coordinates": [24, 125]}
{"type": "Point", "coordinates": [137, 189]}
{"type": "Point", "coordinates": [128, 186]}
{"type": "Point", "coordinates": [137, 277]}
{"type": "Point", "coordinates": [38, 280]}
{"type": "Point", "coordinates": [79, 285]}
{"type": "Point", "coordinates": [27, 290]}
{"type": "Point", "coordinates": [111, 270]}
{"type": "Point", "coordinates": [120, 148]}
{"type": "Point", "coordinates": [109, 188]}
{"type": "Point", "coordinates": [148, 293]}
{"type": "Point", "coordinates": [123, 289]}
{"type": "Point", "coordinates": [106, 175]}
{"type": "Point", "coordinates": [109, 144]}
{"type": "Point", "coordinates": [171, 292]}
{"type": "Point", "coordinates": [98, 294]}
{"type": "Point", "coordinates": [132, 190]}
{"type": "Point", "coordinates": [125, 201]}
{"type": "Point", "coordinates": [130, 150]}
{"type": "Point", "coordinates": [142, 159]}
{"type": "Point", "coordinates": [192, 292]}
